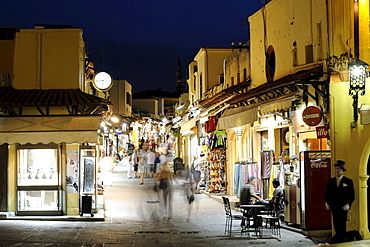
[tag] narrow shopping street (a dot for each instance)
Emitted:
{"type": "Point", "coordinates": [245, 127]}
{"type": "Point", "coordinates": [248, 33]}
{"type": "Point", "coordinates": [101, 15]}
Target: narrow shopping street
{"type": "Point", "coordinates": [134, 217]}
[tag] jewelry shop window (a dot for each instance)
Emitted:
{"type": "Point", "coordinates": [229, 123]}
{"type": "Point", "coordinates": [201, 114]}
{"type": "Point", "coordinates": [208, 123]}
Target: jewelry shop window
{"type": "Point", "coordinates": [38, 177]}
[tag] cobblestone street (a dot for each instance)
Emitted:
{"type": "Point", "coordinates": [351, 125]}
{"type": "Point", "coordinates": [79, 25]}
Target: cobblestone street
{"type": "Point", "coordinates": [134, 217]}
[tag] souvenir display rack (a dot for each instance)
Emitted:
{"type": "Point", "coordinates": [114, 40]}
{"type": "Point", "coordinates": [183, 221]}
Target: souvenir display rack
{"type": "Point", "coordinates": [216, 173]}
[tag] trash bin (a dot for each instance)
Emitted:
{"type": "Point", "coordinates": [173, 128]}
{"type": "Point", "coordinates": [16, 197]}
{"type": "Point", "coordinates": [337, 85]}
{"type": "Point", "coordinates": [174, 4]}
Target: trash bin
{"type": "Point", "coordinates": [86, 205]}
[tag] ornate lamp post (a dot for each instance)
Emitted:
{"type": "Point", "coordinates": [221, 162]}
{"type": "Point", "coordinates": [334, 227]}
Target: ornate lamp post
{"type": "Point", "coordinates": [357, 68]}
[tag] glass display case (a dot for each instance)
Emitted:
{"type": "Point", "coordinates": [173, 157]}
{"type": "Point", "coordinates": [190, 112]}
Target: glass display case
{"type": "Point", "coordinates": [37, 167]}
{"type": "Point", "coordinates": [38, 180]}
{"type": "Point", "coordinates": [39, 200]}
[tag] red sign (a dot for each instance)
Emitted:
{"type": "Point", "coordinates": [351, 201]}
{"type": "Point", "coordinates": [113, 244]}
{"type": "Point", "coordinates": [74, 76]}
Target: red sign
{"type": "Point", "coordinates": [322, 132]}
{"type": "Point", "coordinates": [312, 115]}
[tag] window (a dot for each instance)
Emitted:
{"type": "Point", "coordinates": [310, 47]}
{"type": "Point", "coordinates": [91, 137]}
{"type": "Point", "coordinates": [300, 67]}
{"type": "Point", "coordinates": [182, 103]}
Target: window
{"type": "Point", "coordinates": [38, 183]}
{"type": "Point", "coordinates": [309, 54]}
{"type": "Point", "coordinates": [244, 74]}
{"type": "Point", "coordinates": [238, 78]}
{"type": "Point", "coordinates": [195, 83]}
{"type": "Point", "coordinates": [200, 86]}
{"type": "Point", "coordinates": [38, 200]}
{"type": "Point", "coordinates": [270, 63]}
{"type": "Point", "coordinates": [221, 79]}
{"type": "Point", "coordinates": [128, 98]}
{"type": "Point", "coordinates": [37, 167]}
{"type": "Point", "coordinates": [264, 140]}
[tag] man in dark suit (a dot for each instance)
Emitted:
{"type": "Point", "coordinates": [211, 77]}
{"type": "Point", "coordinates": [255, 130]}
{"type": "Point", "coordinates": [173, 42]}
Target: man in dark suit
{"type": "Point", "coordinates": [339, 197]}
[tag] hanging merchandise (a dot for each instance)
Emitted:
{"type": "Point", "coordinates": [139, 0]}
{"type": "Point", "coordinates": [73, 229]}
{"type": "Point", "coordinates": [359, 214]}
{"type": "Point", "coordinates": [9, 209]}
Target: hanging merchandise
{"type": "Point", "coordinates": [211, 124]}
{"type": "Point", "coordinates": [219, 139]}
{"type": "Point", "coordinates": [267, 161]}
{"type": "Point", "coordinates": [215, 171]}
{"type": "Point", "coordinates": [242, 172]}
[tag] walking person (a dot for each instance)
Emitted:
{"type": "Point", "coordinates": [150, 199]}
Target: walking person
{"type": "Point", "coordinates": [189, 192]}
{"type": "Point", "coordinates": [195, 172]}
{"type": "Point", "coordinates": [339, 196]}
{"type": "Point", "coordinates": [135, 161]}
{"type": "Point", "coordinates": [165, 177]}
{"type": "Point", "coordinates": [130, 166]}
{"type": "Point", "coordinates": [150, 163]}
{"type": "Point", "coordinates": [142, 163]}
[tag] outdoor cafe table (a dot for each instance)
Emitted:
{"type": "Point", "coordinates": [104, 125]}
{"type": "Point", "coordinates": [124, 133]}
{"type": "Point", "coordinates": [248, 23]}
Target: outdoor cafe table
{"type": "Point", "coordinates": [247, 208]}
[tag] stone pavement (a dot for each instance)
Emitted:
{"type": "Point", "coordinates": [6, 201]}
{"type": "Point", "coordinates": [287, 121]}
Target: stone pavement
{"type": "Point", "coordinates": [133, 217]}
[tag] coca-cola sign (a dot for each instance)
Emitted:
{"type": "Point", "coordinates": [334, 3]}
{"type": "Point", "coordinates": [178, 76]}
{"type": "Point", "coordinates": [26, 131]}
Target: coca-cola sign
{"type": "Point", "coordinates": [322, 132]}
{"type": "Point", "coordinates": [317, 164]}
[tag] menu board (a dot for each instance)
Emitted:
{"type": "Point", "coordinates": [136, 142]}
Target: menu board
{"type": "Point", "coordinates": [88, 181]}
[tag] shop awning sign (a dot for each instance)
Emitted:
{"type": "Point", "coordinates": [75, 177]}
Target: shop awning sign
{"type": "Point", "coordinates": [312, 115]}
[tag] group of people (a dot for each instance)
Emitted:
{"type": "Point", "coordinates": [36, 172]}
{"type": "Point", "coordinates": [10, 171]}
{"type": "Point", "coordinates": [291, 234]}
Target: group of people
{"type": "Point", "coordinates": [248, 197]}
{"type": "Point", "coordinates": [144, 163]}
{"type": "Point", "coordinates": [339, 197]}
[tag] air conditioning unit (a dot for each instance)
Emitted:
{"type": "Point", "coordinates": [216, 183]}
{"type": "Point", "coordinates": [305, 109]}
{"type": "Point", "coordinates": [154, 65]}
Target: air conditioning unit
{"type": "Point", "coordinates": [4, 79]}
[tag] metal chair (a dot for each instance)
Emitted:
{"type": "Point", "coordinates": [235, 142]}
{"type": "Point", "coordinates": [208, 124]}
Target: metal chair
{"type": "Point", "coordinates": [273, 220]}
{"type": "Point", "coordinates": [230, 217]}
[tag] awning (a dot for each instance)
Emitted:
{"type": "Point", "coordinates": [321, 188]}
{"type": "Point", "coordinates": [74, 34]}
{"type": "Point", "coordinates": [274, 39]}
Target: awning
{"type": "Point", "coordinates": [188, 125]}
{"type": "Point", "coordinates": [277, 105]}
{"type": "Point", "coordinates": [50, 129]}
{"type": "Point", "coordinates": [239, 116]}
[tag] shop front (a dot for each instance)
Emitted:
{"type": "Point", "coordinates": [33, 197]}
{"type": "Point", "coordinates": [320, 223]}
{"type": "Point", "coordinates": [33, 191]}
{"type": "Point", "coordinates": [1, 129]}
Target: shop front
{"type": "Point", "coordinates": [51, 168]}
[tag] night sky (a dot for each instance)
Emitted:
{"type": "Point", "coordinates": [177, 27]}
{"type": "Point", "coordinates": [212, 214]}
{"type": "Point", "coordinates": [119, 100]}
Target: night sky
{"type": "Point", "coordinates": [140, 41]}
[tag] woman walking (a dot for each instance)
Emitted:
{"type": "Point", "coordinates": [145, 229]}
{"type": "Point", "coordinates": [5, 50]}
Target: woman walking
{"type": "Point", "coordinates": [165, 177]}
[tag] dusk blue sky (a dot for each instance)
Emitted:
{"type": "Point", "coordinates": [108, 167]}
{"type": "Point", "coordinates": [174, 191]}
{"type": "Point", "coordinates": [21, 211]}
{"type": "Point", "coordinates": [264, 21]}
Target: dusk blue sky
{"type": "Point", "coordinates": [140, 41]}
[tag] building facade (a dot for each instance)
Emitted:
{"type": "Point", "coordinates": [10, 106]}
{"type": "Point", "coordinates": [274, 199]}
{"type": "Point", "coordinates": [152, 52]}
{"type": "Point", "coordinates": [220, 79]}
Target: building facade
{"type": "Point", "coordinates": [48, 124]}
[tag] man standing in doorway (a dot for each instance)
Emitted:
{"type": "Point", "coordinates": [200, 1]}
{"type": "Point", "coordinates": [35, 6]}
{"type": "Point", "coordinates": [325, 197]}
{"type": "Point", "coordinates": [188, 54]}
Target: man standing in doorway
{"type": "Point", "coordinates": [339, 197]}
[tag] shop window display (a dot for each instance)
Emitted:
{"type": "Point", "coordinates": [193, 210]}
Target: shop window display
{"type": "Point", "coordinates": [42, 200]}
{"type": "Point", "coordinates": [37, 167]}
{"type": "Point", "coordinates": [38, 180]}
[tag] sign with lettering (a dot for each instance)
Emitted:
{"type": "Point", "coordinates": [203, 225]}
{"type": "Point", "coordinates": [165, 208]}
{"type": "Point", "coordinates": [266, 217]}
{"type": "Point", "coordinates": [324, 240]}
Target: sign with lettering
{"type": "Point", "coordinates": [322, 132]}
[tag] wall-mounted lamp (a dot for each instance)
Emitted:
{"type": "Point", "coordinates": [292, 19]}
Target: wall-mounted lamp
{"type": "Point", "coordinates": [357, 79]}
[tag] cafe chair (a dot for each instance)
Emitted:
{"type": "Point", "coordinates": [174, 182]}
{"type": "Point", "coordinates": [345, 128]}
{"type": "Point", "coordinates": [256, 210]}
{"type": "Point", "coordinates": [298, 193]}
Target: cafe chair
{"type": "Point", "coordinates": [272, 220]}
{"type": "Point", "coordinates": [230, 217]}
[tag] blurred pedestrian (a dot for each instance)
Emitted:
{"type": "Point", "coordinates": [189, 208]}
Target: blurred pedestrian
{"type": "Point", "coordinates": [195, 173]}
{"type": "Point", "coordinates": [339, 196]}
{"type": "Point", "coordinates": [164, 178]}
{"type": "Point", "coordinates": [130, 165]}
{"type": "Point", "coordinates": [157, 162]}
{"type": "Point", "coordinates": [142, 163]}
{"type": "Point", "coordinates": [189, 192]}
{"type": "Point", "coordinates": [135, 161]}
{"type": "Point", "coordinates": [150, 163]}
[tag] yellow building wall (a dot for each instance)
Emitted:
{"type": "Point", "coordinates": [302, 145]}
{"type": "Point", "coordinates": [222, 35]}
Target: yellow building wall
{"type": "Point", "coordinates": [12, 179]}
{"type": "Point", "coordinates": [236, 63]}
{"type": "Point", "coordinates": [287, 25]}
{"type": "Point", "coordinates": [49, 59]}
{"type": "Point", "coordinates": [353, 146]}
{"type": "Point", "coordinates": [7, 55]}
{"type": "Point", "coordinates": [71, 199]}
{"type": "Point", "coordinates": [210, 63]}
